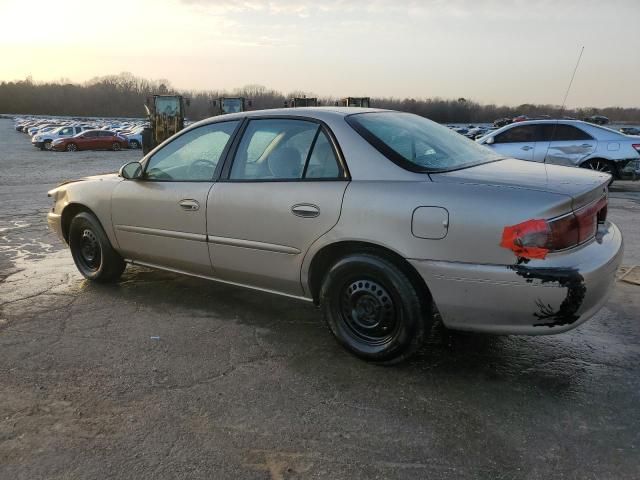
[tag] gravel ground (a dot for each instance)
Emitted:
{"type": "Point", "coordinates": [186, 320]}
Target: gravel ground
{"type": "Point", "coordinates": [162, 376]}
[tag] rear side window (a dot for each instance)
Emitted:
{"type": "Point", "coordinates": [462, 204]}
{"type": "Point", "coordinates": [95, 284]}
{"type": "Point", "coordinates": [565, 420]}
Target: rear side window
{"type": "Point", "coordinates": [418, 144]}
{"type": "Point", "coordinates": [522, 133]}
{"type": "Point", "coordinates": [284, 149]}
{"type": "Point", "coordinates": [550, 132]}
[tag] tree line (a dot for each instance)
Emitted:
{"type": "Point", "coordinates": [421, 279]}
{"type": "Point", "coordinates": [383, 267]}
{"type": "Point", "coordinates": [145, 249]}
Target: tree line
{"type": "Point", "coordinates": [124, 95]}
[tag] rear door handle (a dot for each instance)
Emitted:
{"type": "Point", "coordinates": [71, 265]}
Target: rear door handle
{"type": "Point", "coordinates": [305, 210]}
{"type": "Point", "coordinates": [527, 147]}
{"type": "Point", "coordinates": [189, 204]}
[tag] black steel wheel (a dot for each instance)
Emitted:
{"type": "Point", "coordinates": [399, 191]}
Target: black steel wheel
{"type": "Point", "coordinates": [373, 308]}
{"type": "Point", "coordinates": [91, 250]}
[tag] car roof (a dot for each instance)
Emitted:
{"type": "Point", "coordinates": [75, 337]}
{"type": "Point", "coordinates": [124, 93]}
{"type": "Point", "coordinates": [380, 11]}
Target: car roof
{"type": "Point", "coordinates": [318, 113]}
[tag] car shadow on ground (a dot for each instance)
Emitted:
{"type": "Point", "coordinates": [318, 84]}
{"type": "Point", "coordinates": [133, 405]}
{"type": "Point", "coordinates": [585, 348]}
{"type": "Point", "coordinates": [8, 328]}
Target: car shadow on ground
{"type": "Point", "coordinates": [560, 365]}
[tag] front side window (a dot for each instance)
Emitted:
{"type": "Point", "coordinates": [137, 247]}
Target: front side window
{"type": "Point", "coordinates": [418, 144]}
{"type": "Point", "coordinates": [193, 156]}
{"type": "Point", "coordinates": [520, 134]}
{"type": "Point", "coordinates": [66, 131]}
{"type": "Point", "coordinates": [90, 134]}
{"type": "Point", "coordinates": [284, 149]}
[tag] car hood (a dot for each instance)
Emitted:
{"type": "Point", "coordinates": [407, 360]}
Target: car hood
{"type": "Point", "coordinates": [95, 178]}
{"type": "Point", "coordinates": [581, 184]}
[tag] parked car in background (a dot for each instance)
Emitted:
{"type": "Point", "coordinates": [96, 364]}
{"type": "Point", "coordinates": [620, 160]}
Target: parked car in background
{"type": "Point", "coordinates": [380, 217]}
{"type": "Point", "coordinates": [134, 137]}
{"type": "Point", "coordinates": [630, 130]}
{"type": "Point", "coordinates": [597, 119]}
{"type": "Point", "coordinates": [570, 143]}
{"type": "Point", "coordinates": [43, 140]}
{"type": "Point", "coordinates": [91, 140]}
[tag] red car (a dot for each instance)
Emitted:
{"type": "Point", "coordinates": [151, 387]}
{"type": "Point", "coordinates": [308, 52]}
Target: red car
{"type": "Point", "coordinates": [91, 140]}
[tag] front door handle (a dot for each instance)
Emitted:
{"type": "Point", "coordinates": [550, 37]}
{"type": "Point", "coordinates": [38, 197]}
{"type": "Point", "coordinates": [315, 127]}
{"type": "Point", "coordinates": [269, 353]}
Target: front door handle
{"type": "Point", "coordinates": [189, 204]}
{"type": "Point", "coordinates": [305, 210]}
{"type": "Point", "coordinates": [527, 147]}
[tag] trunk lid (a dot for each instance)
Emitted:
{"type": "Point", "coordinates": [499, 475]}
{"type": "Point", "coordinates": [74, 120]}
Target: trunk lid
{"type": "Point", "coordinates": [584, 186]}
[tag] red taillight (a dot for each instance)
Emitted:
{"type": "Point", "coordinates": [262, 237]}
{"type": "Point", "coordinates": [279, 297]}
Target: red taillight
{"type": "Point", "coordinates": [636, 146]}
{"type": "Point", "coordinates": [536, 238]}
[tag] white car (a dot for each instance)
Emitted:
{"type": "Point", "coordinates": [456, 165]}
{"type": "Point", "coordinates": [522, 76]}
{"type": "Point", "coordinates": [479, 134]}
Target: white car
{"type": "Point", "coordinates": [571, 143]}
{"type": "Point", "coordinates": [43, 141]}
{"type": "Point", "coordinates": [134, 137]}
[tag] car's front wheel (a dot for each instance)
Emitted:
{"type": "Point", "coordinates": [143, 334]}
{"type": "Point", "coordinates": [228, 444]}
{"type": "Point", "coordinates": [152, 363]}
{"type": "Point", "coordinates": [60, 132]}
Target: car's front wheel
{"type": "Point", "coordinates": [115, 146]}
{"type": "Point", "coordinates": [47, 144]}
{"type": "Point", "coordinates": [373, 308]}
{"type": "Point", "coordinates": [91, 250]}
{"type": "Point", "coordinates": [134, 144]}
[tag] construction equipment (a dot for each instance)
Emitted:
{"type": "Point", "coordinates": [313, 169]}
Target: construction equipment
{"type": "Point", "coordinates": [229, 105]}
{"type": "Point", "coordinates": [304, 102]}
{"type": "Point", "coordinates": [166, 118]}
{"type": "Point", "coordinates": [363, 102]}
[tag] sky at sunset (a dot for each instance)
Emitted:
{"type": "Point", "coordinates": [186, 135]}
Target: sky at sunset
{"type": "Point", "coordinates": [492, 51]}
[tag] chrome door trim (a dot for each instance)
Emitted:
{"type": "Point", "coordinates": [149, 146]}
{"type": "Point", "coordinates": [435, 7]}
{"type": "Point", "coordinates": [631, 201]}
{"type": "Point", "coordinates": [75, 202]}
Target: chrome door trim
{"type": "Point", "coordinates": [215, 279]}
{"type": "Point", "coordinates": [196, 237]}
{"type": "Point", "coordinates": [238, 242]}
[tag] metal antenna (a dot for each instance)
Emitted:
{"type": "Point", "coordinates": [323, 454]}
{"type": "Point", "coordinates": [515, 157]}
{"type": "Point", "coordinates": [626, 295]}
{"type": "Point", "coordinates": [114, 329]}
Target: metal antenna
{"type": "Point", "coordinates": [564, 101]}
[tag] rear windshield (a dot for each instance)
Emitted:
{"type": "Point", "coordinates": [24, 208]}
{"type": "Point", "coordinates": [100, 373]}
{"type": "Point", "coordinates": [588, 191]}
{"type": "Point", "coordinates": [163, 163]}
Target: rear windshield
{"type": "Point", "coordinates": [418, 144]}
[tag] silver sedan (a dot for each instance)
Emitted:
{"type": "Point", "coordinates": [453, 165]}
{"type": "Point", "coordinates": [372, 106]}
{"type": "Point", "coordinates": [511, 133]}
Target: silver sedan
{"type": "Point", "coordinates": [380, 217]}
{"type": "Point", "coordinates": [571, 143]}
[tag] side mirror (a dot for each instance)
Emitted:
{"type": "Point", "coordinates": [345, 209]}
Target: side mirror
{"type": "Point", "coordinates": [130, 171]}
{"type": "Point", "coordinates": [490, 141]}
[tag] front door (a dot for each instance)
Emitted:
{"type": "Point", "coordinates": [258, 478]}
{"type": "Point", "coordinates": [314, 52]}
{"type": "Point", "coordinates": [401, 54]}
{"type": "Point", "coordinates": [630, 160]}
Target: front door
{"type": "Point", "coordinates": [283, 191]}
{"type": "Point", "coordinates": [160, 219]}
{"type": "Point", "coordinates": [516, 142]}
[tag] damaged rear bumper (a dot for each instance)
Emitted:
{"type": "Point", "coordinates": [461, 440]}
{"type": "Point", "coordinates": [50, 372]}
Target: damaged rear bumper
{"type": "Point", "coordinates": [540, 297]}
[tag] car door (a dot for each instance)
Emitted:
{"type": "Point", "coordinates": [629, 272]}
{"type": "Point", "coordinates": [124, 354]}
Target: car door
{"type": "Point", "coordinates": [86, 141]}
{"type": "Point", "coordinates": [282, 192]}
{"type": "Point", "coordinates": [516, 142]}
{"type": "Point", "coordinates": [160, 219]}
{"type": "Point", "coordinates": [563, 144]}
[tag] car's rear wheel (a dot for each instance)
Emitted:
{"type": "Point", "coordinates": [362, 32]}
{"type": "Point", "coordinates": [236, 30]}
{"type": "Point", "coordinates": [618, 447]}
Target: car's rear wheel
{"type": "Point", "coordinates": [134, 144]}
{"type": "Point", "coordinates": [115, 146]}
{"type": "Point", "coordinates": [72, 147]}
{"type": "Point", "coordinates": [91, 250]}
{"type": "Point", "coordinates": [601, 165]}
{"type": "Point", "coordinates": [373, 308]}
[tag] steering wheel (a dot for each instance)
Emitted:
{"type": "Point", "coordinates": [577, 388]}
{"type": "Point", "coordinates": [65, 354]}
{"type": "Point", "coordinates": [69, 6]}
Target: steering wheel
{"type": "Point", "coordinates": [201, 169]}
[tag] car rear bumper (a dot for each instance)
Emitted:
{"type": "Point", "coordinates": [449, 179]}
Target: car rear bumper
{"type": "Point", "coordinates": [540, 297]}
{"type": "Point", "coordinates": [55, 224]}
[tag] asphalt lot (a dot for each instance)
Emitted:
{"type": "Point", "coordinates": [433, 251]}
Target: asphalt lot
{"type": "Point", "coordinates": [162, 376]}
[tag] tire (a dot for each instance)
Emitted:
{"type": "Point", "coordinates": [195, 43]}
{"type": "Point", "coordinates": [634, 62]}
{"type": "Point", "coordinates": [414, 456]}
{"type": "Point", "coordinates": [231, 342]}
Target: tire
{"type": "Point", "coordinates": [134, 144]}
{"type": "Point", "coordinates": [115, 146]}
{"type": "Point", "coordinates": [71, 147]}
{"type": "Point", "coordinates": [47, 145]}
{"type": "Point", "coordinates": [92, 253]}
{"type": "Point", "coordinates": [601, 165]}
{"type": "Point", "coordinates": [373, 308]}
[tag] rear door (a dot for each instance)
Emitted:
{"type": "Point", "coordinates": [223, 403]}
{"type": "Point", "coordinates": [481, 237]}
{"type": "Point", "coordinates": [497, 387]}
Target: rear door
{"type": "Point", "coordinates": [282, 192]}
{"type": "Point", "coordinates": [517, 142]}
{"type": "Point", "coordinates": [563, 144]}
{"type": "Point", "coordinates": [161, 218]}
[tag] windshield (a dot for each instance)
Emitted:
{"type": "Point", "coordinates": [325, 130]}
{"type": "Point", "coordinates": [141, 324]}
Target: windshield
{"type": "Point", "coordinates": [418, 144]}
